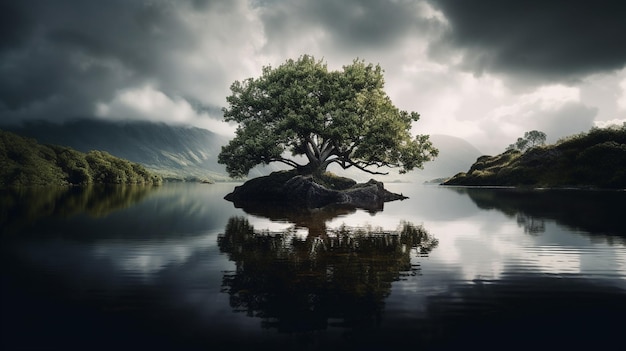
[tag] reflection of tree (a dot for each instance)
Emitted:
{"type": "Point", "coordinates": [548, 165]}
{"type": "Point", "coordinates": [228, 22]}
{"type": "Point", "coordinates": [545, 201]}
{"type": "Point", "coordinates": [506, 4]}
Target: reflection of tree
{"type": "Point", "coordinates": [297, 284]}
{"type": "Point", "coordinates": [532, 225]}
{"type": "Point", "coordinates": [21, 206]}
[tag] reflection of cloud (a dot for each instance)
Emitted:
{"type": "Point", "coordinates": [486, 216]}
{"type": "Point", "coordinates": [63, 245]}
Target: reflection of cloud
{"type": "Point", "coordinates": [269, 225]}
{"type": "Point", "coordinates": [473, 250]}
{"type": "Point", "coordinates": [480, 252]}
{"type": "Point", "coordinates": [621, 264]}
{"type": "Point", "coordinates": [147, 258]}
{"type": "Point", "coordinates": [553, 259]}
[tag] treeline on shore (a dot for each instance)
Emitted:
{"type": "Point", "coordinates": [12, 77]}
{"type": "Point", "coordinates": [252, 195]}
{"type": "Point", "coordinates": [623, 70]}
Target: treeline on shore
{"type": "Point", "coordinates": [595, 159]}
{"type": "Point", "coordinates": [25, 162]}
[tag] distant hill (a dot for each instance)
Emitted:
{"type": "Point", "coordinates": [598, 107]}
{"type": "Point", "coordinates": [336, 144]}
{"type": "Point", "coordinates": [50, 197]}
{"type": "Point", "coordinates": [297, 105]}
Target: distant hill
{"type": "Point", "coordinates": [24, 162]}
{"type": "Point", "coordinates": [455, 155]}
{"type": "Point", "coordinates": [594, 159]}
{"type": "Point", "coordinates": [173, 151]}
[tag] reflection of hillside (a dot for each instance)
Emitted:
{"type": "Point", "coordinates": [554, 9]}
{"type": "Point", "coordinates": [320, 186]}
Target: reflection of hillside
{"type": "Point", "coordinates": [301, 284]}
{"type": "Point", "coordinates": [596, 212]}
{"type": "Point", "coordinates": [21, 206]}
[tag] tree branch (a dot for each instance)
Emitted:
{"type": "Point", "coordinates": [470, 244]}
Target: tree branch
{"type": "Point", "coordinates": [327, 150]}
{"type": "Point", "coordinates": [342, 162]}
{"type": "Point", "coordinates": [310, 154]}
{"type": "Point", "coordinates": [286, 161]}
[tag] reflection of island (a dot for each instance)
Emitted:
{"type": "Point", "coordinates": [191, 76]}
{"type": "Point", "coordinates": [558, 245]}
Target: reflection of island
{"type": "Point", "coordinates": [304, 284]}
{"type": "Point", "coordinates": [22, 206]}
{"type": "Point", "coordinates": [596, 212]}
{"type": "Point", "coordinates": [313, 219]}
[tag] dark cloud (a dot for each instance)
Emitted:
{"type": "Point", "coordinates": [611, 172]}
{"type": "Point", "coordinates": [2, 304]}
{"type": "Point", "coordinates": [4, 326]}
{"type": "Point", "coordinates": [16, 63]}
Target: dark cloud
{"type": "Point", "coordinates": [65, 57]}
{"type": "Point", "coordinates": [62, 57]}
{"type": "Point", "coordinates": [12, 20]}
{"type": "Point", "coordinates": [370, 23]}
{"type": "Point", "coordinates": [350, 25]}
{"type": "Point", "coordinates": [537, 40]}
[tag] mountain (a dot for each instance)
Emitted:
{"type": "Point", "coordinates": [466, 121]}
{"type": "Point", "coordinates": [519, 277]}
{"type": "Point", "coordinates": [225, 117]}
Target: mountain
{"type": "Point", "coordinates": [595, 159]}
{"type": "Point", "coordinates": [455, 155]}
{"type": "Point", "coordinates": [177, 152]}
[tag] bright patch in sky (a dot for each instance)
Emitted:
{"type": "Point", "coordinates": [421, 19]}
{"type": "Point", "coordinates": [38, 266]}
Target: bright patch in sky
{"type": "Point", "coordinates": [135, 103]}
{"type": "Point", "coordinates": [621, 102]}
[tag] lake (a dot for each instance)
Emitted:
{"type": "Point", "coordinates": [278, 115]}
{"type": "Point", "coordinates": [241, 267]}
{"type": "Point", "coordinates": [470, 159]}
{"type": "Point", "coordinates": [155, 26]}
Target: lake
{"type": "Point", "coordinates": [177, 267]}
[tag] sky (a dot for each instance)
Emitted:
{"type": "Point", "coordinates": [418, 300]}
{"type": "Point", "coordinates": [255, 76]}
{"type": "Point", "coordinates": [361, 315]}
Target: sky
{"type": "Point", "coordinates": [482, 70]}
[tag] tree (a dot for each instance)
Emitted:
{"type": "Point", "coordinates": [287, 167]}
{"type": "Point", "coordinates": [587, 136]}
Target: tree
{"type": "Point", "coordinates": [535, 138]}
{"type": "Point", "coordinates": [531, 139]}
{"type": "Point", "coordinates": [341, 117]}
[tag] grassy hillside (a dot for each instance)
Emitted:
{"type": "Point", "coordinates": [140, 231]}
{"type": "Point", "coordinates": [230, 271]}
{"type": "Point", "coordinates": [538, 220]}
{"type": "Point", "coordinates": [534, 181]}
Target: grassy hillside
{"type": "Point", "coordinates": [593, 159]}
{"type": "Point", "coordinates": [176, 152]}
{"type": "Point", "coordinates": [24, 162]}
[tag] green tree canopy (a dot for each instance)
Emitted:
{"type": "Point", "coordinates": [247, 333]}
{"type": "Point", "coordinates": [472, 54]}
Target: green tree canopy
{"type": "Point", "coordinates": [531, 139]}
{"type": "Point", "coordinates": [341, 117]}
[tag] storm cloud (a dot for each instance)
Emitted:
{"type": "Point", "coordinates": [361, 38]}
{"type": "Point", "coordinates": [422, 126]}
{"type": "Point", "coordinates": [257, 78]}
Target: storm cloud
{"type": "Point", "coordinates": [74, 51]}
{"type": "Point", "coordinates": [60, 59]}
{"type": "Point", "coordinates": [536, 40]}
{"type": "Point", "coordinates": [350, 25]}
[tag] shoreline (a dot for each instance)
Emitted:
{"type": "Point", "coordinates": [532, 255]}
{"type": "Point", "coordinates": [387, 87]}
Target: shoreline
{"type": "Point", "coordinates": [542, 188]}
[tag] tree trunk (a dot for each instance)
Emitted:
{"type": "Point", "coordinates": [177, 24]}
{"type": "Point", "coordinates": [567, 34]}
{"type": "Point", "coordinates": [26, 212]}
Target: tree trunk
{"type": "Point", "coordinates": [313, 168]}
{"type": "Point", "coordinates": [318, 155]}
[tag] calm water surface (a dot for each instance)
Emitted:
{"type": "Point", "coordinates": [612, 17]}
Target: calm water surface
{"type": "Point", "coordinates": [178, 267]}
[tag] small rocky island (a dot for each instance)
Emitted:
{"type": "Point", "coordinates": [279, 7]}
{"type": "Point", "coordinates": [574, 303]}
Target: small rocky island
{"type": "Point", "coordinates": [307, 117]}
{"type": "Point", "coordinates": [312, 191]}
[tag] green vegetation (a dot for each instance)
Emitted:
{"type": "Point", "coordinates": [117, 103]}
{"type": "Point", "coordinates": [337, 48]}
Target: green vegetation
{"type": "Point", "coordinates": [530, 140]}
{"type": "Point", "coordinates": [594, 159]}
{"type": "Point", "coordinates": [24, 162]}
{"type": "Point", "coordinates": [341, 117]}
